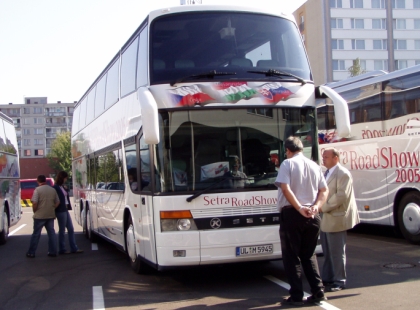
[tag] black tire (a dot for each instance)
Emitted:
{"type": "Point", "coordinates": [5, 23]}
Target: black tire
{"type": "Point", "coordinates": [136, 264]}
{"type": "Point", "coordinates": [88, 223]}
{"type": "Point", "coordinates": [83, 217]}
{"type": "Point", "coordinates": [4, 234]}
{"type": "Point", "coordinates": [409, 217]}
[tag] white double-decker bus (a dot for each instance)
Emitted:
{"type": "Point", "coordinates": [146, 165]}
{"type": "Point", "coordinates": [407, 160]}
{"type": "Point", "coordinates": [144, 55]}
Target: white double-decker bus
{"type": "Point", "coordinates": [177, 143]}
{"type": "Point", "coordinates": [10, 207]}
{"type": "Point", "coordinates": [383, 153]}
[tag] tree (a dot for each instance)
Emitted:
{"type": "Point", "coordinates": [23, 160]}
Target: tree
{"type": "Point", "coordinates": [60, 156]}
{"type": "Point", "coordinates": [356, 69]}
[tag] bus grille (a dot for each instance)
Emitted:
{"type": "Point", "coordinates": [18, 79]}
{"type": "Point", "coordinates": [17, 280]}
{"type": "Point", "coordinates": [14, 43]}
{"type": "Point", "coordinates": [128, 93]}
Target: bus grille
{"type": "Point", "coordinates": [206, 213]}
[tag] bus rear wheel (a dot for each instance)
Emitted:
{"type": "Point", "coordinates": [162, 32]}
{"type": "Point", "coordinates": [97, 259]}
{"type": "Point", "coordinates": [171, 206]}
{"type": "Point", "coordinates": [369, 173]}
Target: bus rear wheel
{"type": "Point", "coordinates": [409, 217]}
{"type": "Point", "coordinates": [136, 264]}
{"type": "Point", "coordinates": [5, 232]}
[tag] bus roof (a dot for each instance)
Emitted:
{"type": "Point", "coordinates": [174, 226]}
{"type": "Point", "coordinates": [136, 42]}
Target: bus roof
{"type": "Point", "coordinates": [6, 118]}
{"type": "Point", "coordinates": [180, 9]}
{"type": "Point", "coordinates": [357, 78]}
{"type": "Point", "coordinates": [208, 8]}
{"type": "Point", "coordinates": [377, 79]}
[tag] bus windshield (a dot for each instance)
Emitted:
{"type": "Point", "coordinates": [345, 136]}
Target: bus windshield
{"type": "Point", "coordinates": [210, 46]}
{"type": "Point", "coordinates": [225, 149]}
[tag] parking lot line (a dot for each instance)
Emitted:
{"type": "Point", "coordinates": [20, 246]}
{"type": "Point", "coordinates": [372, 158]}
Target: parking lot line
{"type": "Point", "coordinates": [16, 230]}
{"type": "Point", "coordinates": [286, 286]}
{"type": "Point", "coordinates": [98, 298]}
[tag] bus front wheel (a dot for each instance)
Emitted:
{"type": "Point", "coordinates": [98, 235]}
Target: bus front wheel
{"type": "Point", "coordinates": [5, 232]}
{"type": "Point", "coordinates": [136, 264]}
{"type": "Point", "coordinates": [409, 217]}
{"type": "Point", "coordinates": [89, 234]}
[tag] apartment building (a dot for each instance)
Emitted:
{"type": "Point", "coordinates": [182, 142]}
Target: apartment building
{"type": "Point", "coordinates": [383, 34]}
{"type": "Point", "coordinates": [37, 124]}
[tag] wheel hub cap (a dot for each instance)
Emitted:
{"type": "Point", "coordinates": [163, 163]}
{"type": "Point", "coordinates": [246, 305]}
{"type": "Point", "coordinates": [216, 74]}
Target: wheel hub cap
{"type": "Point", "coordinates": [131, 243]}
{"type": "Point", "coordinates": [411, 218]}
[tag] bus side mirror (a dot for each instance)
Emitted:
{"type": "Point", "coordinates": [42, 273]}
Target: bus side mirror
{"type": "Point", "coordinates": [341, 110]}
{"type": "Point", "coordinates": [149, 116]}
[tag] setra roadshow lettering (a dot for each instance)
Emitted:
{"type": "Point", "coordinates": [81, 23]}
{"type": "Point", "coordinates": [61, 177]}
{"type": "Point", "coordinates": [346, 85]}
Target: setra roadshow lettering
{"type": "Point", "coordinates": [236, 202]}
{"type": "Point", "coordinates": [383, 158]}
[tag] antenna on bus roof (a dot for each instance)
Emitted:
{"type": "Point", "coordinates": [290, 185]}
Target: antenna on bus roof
{"type": "Point", "coordinates": [189, 2]}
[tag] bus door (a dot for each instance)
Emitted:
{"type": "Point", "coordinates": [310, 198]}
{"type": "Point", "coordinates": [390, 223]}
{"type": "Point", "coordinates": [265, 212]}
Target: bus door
{"type": "Point", "coordinates": [147, 243]}
{"type": "Point", "coordinates": [133, 195]}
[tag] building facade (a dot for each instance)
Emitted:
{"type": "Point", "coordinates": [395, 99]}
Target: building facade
{"type": "Point", "coordinates": [37, 124]}
{"type": "Point", "coordinates": [382, 34]}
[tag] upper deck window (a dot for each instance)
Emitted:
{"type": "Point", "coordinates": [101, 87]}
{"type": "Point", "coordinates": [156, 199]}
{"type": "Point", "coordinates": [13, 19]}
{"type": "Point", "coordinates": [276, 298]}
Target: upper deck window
{"type": "Point", "coordinates": [190, 44]}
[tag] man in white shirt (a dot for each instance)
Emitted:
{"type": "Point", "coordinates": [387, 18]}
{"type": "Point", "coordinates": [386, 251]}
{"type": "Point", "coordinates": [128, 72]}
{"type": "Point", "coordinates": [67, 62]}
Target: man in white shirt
{"type": "Point", "coordinates": [301, 191]}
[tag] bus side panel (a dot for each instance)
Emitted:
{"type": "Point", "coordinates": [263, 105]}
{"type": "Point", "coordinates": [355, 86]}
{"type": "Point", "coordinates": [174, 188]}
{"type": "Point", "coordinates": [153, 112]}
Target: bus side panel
{"type": "Point", "coordinates": [9, 171]}
{"type": "Point", "coordinates": [371, 178]}
{"type": "Point", "coordinates": [371, 190]}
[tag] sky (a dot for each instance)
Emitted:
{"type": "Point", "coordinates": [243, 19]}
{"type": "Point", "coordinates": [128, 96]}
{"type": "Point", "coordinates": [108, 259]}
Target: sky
{"type": "Point", "coordinates": [57, 48]}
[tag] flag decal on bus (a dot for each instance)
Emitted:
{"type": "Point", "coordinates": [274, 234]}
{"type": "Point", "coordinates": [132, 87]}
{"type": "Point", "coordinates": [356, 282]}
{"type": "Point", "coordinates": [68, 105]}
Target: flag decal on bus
{"type": "Point", "coordinates": [188, 96]}
{"type": "Point", "coordinates": [234, 91]}
{"type": "Point", "coordinates": [274, 92]}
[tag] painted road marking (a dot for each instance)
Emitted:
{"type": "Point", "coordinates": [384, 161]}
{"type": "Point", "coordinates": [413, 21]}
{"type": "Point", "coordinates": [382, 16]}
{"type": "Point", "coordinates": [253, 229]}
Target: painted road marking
{"type": "Point", "coordinates": [16, 230]}
{"type": "Point", "coordinates": [26, 203]}
{"type": "Point", "coordinates": [98, 298]}
{"type": "Point", "coordinates": [286, 286]}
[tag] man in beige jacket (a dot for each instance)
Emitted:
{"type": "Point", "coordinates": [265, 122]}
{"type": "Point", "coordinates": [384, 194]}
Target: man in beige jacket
{"type": "Point", "coordinates": [339, 214]}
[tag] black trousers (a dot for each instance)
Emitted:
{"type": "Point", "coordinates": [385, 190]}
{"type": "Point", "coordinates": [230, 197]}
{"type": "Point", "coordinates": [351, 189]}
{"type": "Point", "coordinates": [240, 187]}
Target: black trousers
{"type": "Point", "coordinates": [299, 236]}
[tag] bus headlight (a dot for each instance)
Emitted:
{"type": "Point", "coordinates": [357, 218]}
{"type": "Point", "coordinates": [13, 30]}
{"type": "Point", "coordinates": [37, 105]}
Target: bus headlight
{"type": "Point", "coordinates": [176, 221]}
{"type": "Point", "coordinates": [177, 224]}
{"type": "Point", "coordinates": [183, 224]}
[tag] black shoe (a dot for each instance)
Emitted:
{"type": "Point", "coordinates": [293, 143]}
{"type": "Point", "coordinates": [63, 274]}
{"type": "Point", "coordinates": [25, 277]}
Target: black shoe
{"type": "Point", "coordinates": [334, 288]}
{"type": "Point", "coordinates": [320, 296]}
{"type": "Point", "coordinates": [52, 255]}
{"type": "Point", "coordinates": [64, 252]}
{"type": "Point", "coordinates": [290, 301]}
{"type": "Point", "coordinates": [30, 255]}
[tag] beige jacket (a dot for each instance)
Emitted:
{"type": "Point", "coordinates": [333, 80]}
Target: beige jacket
{"type": "Point", "coordinates": [339, 213]}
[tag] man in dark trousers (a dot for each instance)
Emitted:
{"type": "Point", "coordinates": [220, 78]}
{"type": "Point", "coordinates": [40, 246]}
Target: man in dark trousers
{"type": "Point", "coordinates": [339, 214]}
{"type": "Point", "coordinates": [44, 201]}
{"type": "Point", "coordinates": [301, 191]}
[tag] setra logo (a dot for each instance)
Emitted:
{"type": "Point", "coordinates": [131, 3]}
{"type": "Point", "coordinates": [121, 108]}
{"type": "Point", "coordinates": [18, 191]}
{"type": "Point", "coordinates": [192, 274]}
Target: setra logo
{"type": "Point", "coordinates": [215, 223]}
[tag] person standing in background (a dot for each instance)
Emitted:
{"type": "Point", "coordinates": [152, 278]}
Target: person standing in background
{"type": "Point", "coordinates": [44, 202]}
{"type": "Point", "coordinates": [339, 214]}
{"type": "Point", "coordinates": [301, 191]}
{"type": "Point", "coordinates": [63, 216]}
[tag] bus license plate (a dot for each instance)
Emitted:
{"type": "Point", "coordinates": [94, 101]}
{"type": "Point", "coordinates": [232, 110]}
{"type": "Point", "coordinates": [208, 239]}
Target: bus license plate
{"type": "Point", "coordinates": [254, 250]}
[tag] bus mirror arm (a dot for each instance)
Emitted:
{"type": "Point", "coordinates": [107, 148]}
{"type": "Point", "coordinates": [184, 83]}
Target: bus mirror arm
{"type": "Point", "coordinates": [149, 115]}
{"type": "Point", "coordinates": [341, 110]}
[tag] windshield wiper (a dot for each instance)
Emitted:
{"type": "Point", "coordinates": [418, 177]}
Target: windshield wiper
{"type": "Point", "coordinates": [272, 72]}
{"type": "Point", "coordinates": [189, 199]}
{"type": "Point", "coordinates": [210, 74]}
